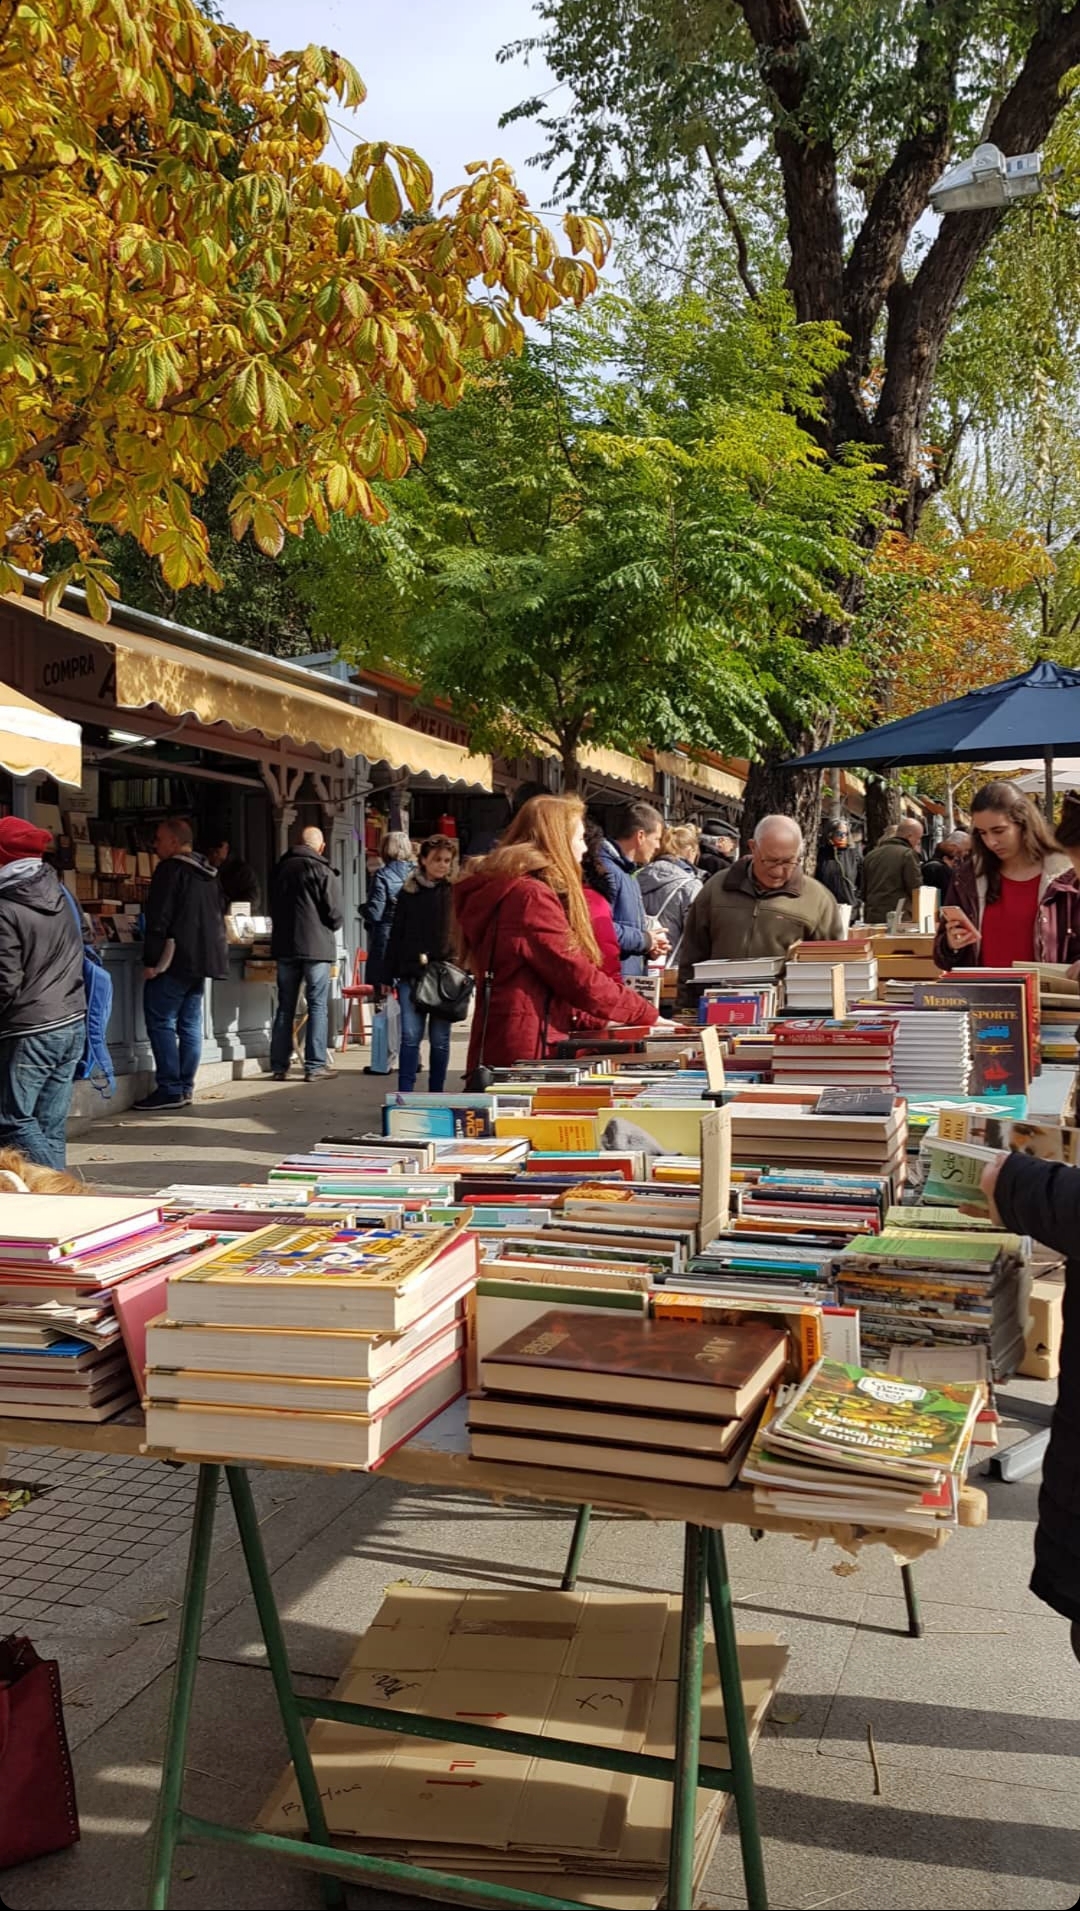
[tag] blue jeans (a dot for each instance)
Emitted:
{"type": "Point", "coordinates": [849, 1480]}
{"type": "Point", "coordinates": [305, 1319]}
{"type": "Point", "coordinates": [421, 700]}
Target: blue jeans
{"type": "Point", "coordinates": [173, 1012]}
{"type": "Point", "coordinates": [37, 1074]}
{"type": "Point", "coordinates": [412, 1034]}
{"type": "Point", "coordinates": [315, 976]}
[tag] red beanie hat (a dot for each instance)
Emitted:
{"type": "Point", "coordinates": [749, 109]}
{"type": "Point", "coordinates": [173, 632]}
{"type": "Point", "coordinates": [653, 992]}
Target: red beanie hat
{"type": "Point", "coordinates": [18, 838]}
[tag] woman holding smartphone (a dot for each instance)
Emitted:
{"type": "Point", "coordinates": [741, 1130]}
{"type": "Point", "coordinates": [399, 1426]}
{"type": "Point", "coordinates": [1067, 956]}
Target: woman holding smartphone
{"type": "Point", "coordinates": [1016, 898]}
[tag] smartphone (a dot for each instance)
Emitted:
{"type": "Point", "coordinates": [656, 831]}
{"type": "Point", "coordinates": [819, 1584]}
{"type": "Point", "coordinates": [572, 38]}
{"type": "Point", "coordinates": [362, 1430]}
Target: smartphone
{"type": "Point", "coordinates": [960, 919]}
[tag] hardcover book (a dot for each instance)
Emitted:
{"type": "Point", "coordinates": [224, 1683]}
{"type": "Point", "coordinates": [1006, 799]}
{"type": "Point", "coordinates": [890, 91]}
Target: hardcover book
{"type": "Point", "coordinates": [666, 1364]}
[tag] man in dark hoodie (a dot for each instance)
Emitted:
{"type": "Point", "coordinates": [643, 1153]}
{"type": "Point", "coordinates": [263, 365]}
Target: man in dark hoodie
{"type": "Point", "coordinates": [42, 999]}
{"type": "Point", "coordinates": [307, 911]}
{"type": "Point", "coordinates": [184, 944]}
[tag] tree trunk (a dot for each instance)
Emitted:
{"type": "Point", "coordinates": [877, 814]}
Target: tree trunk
{"type": "Point", "coordinates": [882, 807]}
{"type": "Point", "coordinates": [774, 791]}
{"type": "Point", "coordinates": [571, 769]}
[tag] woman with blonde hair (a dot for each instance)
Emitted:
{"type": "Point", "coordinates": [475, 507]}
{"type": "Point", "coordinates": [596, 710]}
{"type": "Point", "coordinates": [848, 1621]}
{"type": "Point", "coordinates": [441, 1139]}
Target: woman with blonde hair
{"type": "Point", "coordinates": [523, 921]}
{"type": "Point", "coordinates": [670, 882]}
{"type": "Point", "coordinates": [1016, 898]}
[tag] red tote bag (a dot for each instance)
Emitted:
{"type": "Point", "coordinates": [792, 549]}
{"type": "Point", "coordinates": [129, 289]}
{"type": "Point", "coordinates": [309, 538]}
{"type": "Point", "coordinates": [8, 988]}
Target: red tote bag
{"type": "Point", "coordinates": [38, 1813]}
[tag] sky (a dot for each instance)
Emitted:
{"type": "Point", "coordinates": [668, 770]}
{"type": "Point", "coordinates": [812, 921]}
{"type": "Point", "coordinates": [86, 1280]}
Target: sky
{"type": "Point", "coordinates": [430, 70]}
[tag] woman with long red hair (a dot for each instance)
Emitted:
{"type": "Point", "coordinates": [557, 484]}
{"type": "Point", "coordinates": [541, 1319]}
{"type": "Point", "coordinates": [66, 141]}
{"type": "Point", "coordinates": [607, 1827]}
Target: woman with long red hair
{"type": "Point", "coordinates": [523, 917]}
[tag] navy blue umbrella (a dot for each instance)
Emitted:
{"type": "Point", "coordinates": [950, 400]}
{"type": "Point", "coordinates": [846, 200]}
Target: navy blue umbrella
{"type": "Point", "coordinates": [1030, 715]}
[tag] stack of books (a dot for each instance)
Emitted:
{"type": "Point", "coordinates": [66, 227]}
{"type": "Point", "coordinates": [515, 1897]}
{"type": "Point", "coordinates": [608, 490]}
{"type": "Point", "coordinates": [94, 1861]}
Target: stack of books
{"type": "Point", "coordinates": [862, 1446]}
{"type": "Point", "coordinates": [808, 978]}
{"type": "Point", "coordinates": [608, 1391]}
{"type": "Point", "coordinates": [782, 1135]}
{"type": "Point", "coordinates": [932, 1051]}
{"type": "Point", "coordinates": [313, 1346]}
{"type": "Point", "coordinates": [853, 1052]}
{"type": "Point", "coordinates": [746, 970]}
{"type": "Point", "coordinates": [747, 1006]}
{"type": "Point", "coordinates": [934, 1278]}
{"type": "Point", "coordinates": [1059, 1011]}
{"type": "Point", "coordinates": [79, 1276]}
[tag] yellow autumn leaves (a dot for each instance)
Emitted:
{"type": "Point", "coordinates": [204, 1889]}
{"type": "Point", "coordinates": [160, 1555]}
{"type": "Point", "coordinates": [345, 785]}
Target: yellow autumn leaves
{"type": "Point", "coordinates": [183, 275]}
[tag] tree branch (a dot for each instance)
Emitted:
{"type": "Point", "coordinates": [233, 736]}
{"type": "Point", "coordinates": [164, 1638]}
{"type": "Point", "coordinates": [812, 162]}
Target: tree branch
{"type": "Point", "coordinates": [734, 224]}
{"type": "Point", "coordinates": [919, 317]}
{"type": "Point", "coordinates": [781, 33]}
{"type": "Point", "coordinates": [901, 195]}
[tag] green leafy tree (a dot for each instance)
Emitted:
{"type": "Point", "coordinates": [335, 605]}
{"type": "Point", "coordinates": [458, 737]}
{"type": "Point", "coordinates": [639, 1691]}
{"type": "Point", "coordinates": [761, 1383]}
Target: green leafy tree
{"type": "Point", "coordinates": [826, 125]}
{"type": "Point", "coordinates": [614, 541]}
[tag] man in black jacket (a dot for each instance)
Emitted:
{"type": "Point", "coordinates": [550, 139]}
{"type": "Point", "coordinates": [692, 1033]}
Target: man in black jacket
{"type": "Point", "coordinates": [1042, 1198]}
{"type": "Point", "coordinates": [183, 946]}
{"type": "Point", "coordinates": [306, 906]}
{"type": "Point", "coordinates": [42, 999]}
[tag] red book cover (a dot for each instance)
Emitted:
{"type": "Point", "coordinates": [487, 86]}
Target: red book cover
{"type": "Point", "coordinates": [632, 1346]}
{"type": "Point", "coordinates": [731, 1014]}
{"type": "Point", "coordinates": [834, 1034]}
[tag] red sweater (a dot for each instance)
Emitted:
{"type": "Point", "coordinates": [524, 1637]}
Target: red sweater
{"type": "Point", "coordinates": [603, 923]}
{"type": "Point", "coordinates": [539, 981]}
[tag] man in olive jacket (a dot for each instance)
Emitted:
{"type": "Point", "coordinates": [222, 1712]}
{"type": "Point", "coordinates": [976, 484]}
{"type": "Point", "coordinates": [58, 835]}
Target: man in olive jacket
{"type": "Point", "coordinates": [761, 905]}
{"type": "Point", "coordinates": [892, 873]}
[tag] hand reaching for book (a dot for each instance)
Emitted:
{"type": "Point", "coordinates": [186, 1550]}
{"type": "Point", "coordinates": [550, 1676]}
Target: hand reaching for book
{"type": "Point", "coordinates": [988, 1182]}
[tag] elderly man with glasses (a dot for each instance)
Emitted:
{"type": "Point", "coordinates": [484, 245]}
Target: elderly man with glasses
{"type": "Point", "coordinates": [761, 905]}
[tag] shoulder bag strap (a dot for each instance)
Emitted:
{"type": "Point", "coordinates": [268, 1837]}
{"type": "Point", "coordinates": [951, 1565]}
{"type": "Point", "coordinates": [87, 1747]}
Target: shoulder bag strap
{"type": "Point", "coordinates": [489, 981]}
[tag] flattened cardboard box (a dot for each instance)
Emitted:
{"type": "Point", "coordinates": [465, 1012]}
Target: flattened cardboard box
{"type": "Point", "coordinates": [599, 1668]}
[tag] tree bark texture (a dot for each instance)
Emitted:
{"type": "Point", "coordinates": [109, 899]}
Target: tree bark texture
{"type": "Point", "coordinates": [871, 283]}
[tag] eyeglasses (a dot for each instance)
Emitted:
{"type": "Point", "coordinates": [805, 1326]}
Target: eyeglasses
{"type": "Point", "coordinates": [778, 862]}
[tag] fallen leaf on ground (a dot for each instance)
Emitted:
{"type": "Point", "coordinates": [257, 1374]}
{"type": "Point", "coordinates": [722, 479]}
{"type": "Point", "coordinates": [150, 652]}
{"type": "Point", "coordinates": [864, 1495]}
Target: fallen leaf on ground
{"type": "Point", "coordinates": [153, 1618]}
{"type": "Point", "coordinates": [845, 1568]}
{"type": "Point", "coordinates": [786, 1712]}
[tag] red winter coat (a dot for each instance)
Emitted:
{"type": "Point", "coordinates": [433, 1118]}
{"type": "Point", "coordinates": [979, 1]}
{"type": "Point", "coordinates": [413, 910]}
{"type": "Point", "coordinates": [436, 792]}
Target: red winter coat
{"type": "Point", "coordinates": [603, 923]}
{"type": "Point", "coordinates": [537, 977]}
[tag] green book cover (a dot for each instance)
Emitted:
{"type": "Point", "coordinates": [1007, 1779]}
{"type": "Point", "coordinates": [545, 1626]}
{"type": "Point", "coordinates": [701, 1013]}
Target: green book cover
{"type": "Point", "coordinates": [925, 1244]}
{"type": "Point", "coordinates": [880, 1417]}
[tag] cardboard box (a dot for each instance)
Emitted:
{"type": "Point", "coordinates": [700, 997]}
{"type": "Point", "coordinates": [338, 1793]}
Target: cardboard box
{"type": "Point", "coordinates": [1042, 1350]}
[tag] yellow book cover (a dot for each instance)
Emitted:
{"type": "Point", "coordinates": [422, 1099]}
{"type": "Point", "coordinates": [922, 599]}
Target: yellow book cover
{"type": "Point", "coordinates": [369, 1257]}
{"type": "Point", "coordinates": [551, 1134]}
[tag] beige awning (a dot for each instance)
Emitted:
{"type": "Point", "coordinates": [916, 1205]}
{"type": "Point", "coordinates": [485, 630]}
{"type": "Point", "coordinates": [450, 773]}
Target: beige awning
{"type": "Point", "coordinates": [34, 740]}
{"type": "Point", "coordinates": [704, 776]}
{"type": "Point", "coordinates": [618, 767]}
{"type": "Point", "coordinates": [152, 671]}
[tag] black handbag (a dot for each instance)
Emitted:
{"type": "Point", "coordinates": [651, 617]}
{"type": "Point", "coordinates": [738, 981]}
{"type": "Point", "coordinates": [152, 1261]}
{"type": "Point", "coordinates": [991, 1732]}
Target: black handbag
{"type": "Point", "coordinates": [444, 990]}
{"type": "Point", "coordinates": [481, 1078]}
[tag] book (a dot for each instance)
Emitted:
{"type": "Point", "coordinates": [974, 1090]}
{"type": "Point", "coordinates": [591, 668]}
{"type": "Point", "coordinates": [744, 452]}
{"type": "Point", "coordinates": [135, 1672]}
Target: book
{"type": "Point", "coordinates": [40, 1229]}
{"type": "Point", "coordinates": [670, 1365]}
{"type": "Point", "coordinates": [351, 1440]}
{"type": "Point", "coordinates": [637, 1462]}
{"type": "Point", "coordinates": [855, 1101]}
{"type": "Point", "coordinates": [296, 1353]}
{"type": "Point", "coordinates": [872, 1422]}
{"type": "Point", "coordinates": [316, 1277]}
{"type": "Point", "coordinates": [954, 1176]}
{"type": "Point", "coordinates": [1000, 1033]}
{"type": "Point", "coordinates": [306, 1393]}
{"type": "Point", "coordinates": [682, 1433]}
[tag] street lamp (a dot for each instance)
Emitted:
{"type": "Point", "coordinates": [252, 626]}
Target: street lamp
{"type": "Point", "coordinates": [987, 179]}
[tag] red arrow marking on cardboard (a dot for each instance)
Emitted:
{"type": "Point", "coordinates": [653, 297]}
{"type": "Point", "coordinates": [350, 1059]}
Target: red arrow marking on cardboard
{"type": "Point", "coordinates": [470, 1784]}
{"type": "Point", "coordinates": [480, 1715]}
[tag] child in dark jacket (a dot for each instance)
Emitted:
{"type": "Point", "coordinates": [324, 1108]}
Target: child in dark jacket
{"type": "Point", "coordinates": [419, 935]}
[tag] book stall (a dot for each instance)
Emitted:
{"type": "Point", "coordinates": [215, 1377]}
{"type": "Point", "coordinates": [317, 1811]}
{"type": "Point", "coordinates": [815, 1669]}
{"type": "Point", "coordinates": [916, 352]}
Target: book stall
{"type": "Point", "coordinates": [723, 1277]}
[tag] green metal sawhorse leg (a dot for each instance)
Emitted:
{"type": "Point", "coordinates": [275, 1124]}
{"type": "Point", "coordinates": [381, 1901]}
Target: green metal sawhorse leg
{"type": "Point", "coordinates": [577, 1547]}
{"type": "Point", "coordinates": [704, 1569]}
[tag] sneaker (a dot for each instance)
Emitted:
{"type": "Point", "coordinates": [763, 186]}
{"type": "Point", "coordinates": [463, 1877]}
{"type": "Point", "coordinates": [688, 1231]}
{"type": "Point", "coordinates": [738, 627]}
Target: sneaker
{"type": "Point", "coordinates": [320, 1075]}
{"type": "Point", "coordinates": [188, 1097]}
{"type": "Point", "coordinates": [156, 1103]}
{"type": "Point", "coordinates": [280, 1075]}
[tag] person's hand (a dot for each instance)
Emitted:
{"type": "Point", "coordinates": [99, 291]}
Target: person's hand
{"type": "Point", "coordinates": [664, 1026]}
{"type": "Point", "coordinates": [988, 1181]}
{"type": "Point", "coordinates": [149, 975]}
{"type": "Point", "coordinates": [659, 942]}
{"type": "Point", "coordinates": [960, 931]}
